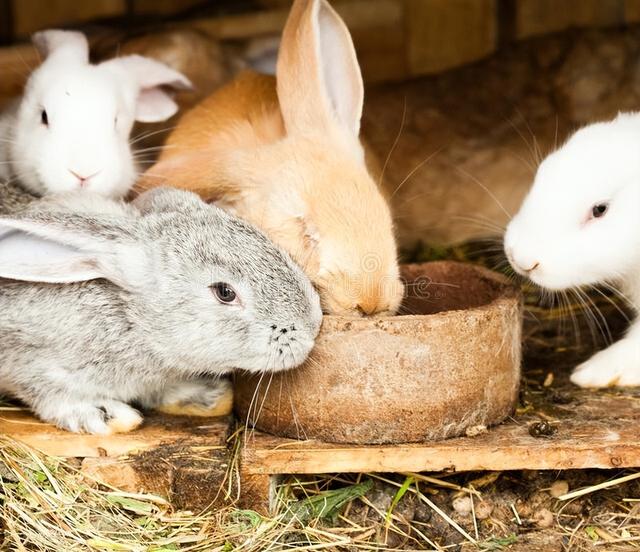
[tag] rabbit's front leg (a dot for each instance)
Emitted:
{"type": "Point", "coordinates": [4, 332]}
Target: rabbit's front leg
{"type": "Point", "coordinates": [618, 364]}
{"type": "Point", "coordinates": [82, 414]}
{"type": "Point", "coordinates": [197, 397]}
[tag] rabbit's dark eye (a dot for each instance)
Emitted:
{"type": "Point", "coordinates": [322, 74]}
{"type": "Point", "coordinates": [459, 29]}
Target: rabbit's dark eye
{"type": "Point", "coordinates": [44, 118]}
{"type": "Point", "coordinates": [599, 210]}
{"type": "Point", "coordinates": [223, 292]}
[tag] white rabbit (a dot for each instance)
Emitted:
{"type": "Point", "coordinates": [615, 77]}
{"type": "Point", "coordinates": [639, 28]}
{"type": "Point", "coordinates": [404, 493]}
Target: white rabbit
{"type": "Point", "coordinates": [580, 226]}
{"type": "Point", "coordinates": [70, 129]}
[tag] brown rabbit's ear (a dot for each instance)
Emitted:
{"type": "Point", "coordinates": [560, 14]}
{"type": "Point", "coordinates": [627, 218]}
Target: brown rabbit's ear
{"type": "Point", "coordinates": [318, 77]}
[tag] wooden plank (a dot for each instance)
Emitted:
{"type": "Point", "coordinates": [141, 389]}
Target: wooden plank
{"type": "Point", "coordinates": [632, 11]}
{"type": "Point", "coordinates": [380, 38]}
{"type": "Point", "coordinates": [157, 430]}
{"type": "Point", "coordinates": [6, 22]}
{"type": "Point", "coordinates": [448, 33]}
{"type": "Point", "coordinates": [258, 492]}
{"type": "Point", "coordinates": [271, 4]}
{"type": "Point", "coordinates": [506, 448]}
{"type": "Point", "coordinates": [182, 459]}
{"type": "Point", "coordinates": [597, 430]}
{"type": "Point", "coordinates": [357, 14]}
{"type": "Point", "coordinates": [536, 17]}
{"type": "Point", "coordinates": [34, 15]}
{"type": "Point", "coordinates": [16, 64]}
{"type": "Point", "coordinates": [163, 7]}
{"type": "Point", "coordinates": [377, 28]}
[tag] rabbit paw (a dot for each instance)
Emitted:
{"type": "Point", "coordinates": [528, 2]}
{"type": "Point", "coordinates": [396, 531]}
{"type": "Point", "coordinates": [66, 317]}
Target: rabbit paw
{"type": "Point", "coordinates": [104, 417]}
{"type": "Point", "coordinates": [198, 398]}
{"type": "Point", "coordinates": [617, 365]}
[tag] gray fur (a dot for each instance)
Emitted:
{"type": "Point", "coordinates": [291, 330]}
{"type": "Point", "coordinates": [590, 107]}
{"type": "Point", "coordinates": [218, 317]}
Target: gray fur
{"type": "Point", "coordinates": [7, 122]}
{"type": "Point", "coordinates": [13, 197]}
{"type": "Point", "coordinates": [79, 353]}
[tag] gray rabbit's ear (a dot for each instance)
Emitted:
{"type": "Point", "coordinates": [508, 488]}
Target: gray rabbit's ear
{"type": "Point", "coordinates": [32, 259]}
{"type": "Point", "coordinates": [64, 248]}
{"type": "Point", "coordinates": [168, 200]}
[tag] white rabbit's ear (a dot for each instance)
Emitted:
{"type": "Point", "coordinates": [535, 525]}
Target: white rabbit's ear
{"type": "Point", "coordinates": [318, 76]}
{"type": "Point", "coordinates": [64, 248]}
{"type": "Point", "coordinates": [153, 103]}
{"type": "Point", "coordinates": [70, 45]}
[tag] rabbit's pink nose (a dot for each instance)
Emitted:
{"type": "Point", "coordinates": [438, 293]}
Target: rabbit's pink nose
{"type": "Point", "coordinates": [83, 179]}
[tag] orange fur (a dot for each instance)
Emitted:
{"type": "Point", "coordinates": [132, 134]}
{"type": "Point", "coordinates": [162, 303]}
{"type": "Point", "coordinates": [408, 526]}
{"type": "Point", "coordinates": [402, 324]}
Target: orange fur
{"type": "Point", "coordinates": [285, 155]}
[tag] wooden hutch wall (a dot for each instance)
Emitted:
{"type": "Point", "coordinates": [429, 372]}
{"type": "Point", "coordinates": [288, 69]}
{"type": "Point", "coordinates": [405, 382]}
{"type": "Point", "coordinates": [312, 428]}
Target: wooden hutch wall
{"type": "Point", "coordinates": [395, 39]}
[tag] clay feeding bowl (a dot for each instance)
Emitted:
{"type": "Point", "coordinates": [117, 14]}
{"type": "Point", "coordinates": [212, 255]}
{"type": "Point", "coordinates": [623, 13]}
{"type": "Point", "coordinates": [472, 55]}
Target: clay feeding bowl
{"type": "Point", "coordinates": [451, 364]}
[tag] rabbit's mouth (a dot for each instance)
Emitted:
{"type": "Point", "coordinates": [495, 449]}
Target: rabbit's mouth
{"type": "Point", "coordinates": [289, 349]}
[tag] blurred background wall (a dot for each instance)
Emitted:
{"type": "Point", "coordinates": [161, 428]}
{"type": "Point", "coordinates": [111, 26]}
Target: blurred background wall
{"type": "Point", "coordinates": [464, 97]}
{"type": "Point", "coordinates": [395, 39]}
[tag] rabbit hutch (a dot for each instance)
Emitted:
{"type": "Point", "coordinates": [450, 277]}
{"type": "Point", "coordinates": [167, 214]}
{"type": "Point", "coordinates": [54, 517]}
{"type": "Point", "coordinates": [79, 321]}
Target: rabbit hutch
{"type": "Point", "coordinates": [463, 99]}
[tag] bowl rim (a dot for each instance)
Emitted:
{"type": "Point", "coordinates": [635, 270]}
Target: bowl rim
{"type": "Point", "coordinates": [509, 293]}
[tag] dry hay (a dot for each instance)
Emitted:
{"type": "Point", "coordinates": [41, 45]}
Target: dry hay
{"type": "Point", "coordinates": [47, 505]}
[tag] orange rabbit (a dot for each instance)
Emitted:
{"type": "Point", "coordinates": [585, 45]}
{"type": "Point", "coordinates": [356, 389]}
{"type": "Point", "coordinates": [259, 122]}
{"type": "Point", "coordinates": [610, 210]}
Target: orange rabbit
{"type": "Point", "coordinates": [285, 155]}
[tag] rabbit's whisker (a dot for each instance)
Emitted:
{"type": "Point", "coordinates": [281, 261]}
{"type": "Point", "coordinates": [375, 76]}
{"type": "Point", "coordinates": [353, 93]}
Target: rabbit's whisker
{"type": "Point", "coordinates": [531, 167]}
{"type": "Point", "coordinates": [251, 406]}
{"type": "Point", "coordinates": [592, 316]}
{"type": "Point", "coordinates": [487, 190]}
{"type": "Point", "coordinates": [148, 134]}
{"type": "Point", "coordinates": [533, 147]}
{"type": "Point", "coordinates": [483, 222]}
{"type": "Point", "coordinates": [264, 398]}
{"type": "Point", "coordinates": [395, 143]}
{"type": "Point", "coordinates": [415, 170]}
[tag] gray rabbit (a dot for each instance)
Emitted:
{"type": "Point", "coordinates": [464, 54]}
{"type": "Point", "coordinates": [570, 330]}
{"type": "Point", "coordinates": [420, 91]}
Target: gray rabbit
{"type": "Point", "coordinates": [13, 197]}
{"type": "Point", "coordinates": [105, 304]}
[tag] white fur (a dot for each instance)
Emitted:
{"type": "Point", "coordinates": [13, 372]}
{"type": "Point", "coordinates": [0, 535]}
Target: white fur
{"type": "Point", "coordinates": [90, 110]}
{"type": "Point", "coordinates": [555, 232]}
